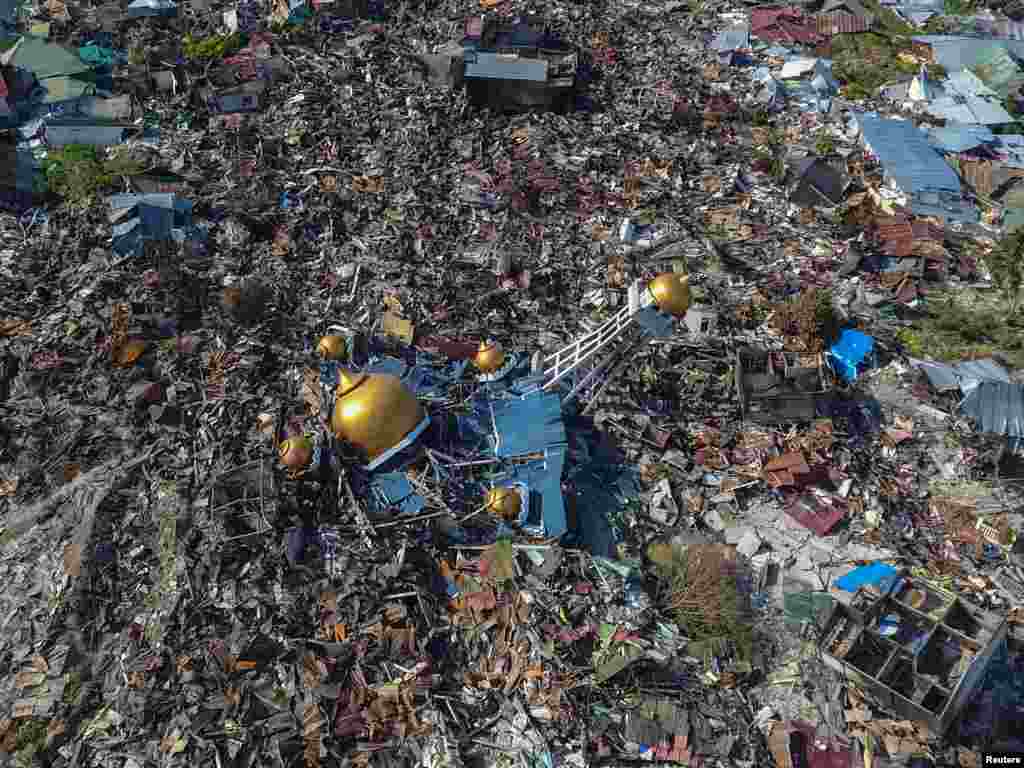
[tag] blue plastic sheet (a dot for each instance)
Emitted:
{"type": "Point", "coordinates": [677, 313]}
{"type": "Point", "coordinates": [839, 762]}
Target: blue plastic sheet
{"type": "Point", "coordinates": [864, 576]}
{"type": "Point", "coordinates": [849, 352]}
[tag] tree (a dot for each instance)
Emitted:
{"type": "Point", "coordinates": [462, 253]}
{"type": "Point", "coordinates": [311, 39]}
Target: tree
{"type": "Point", "coordinates": [1006, 264]}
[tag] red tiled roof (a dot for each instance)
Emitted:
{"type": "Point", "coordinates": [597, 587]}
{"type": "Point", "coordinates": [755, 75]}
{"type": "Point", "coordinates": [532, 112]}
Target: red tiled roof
{"type": "Point", "coordinates": [766, 17]}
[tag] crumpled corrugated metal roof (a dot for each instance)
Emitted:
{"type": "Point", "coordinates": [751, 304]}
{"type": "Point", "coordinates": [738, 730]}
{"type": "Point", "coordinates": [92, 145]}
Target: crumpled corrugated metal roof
{"type": "Point", "coordinates": [997, 408]}
{"type": "Point", "coordinates": [997, 69]}
{"type": "Point", "coordinates": [530, 424]}
{"type": "Point", "coordinates": [732, 39]}
{"type": "Point", "coordinates": [955, 52]}
{"type": "Point", "coordinates": [969, 111]}
{"type": "Point", "coordinates": [964, 376]}
{"type": "Point", "coordinates": [1010, 149]}
{"type": "Point", "coordinates": [965, 83]}
{"type": "Point", "coordinates": [907, 156]}
{"type": "Point", "coordinates": [960, 138]}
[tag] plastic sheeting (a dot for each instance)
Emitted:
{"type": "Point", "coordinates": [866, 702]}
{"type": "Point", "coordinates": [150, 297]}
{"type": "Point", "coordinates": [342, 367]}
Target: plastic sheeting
{"type": "Point", "coordinates": [849, 352]}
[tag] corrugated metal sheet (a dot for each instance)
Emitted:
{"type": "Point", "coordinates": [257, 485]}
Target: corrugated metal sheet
{"type": "Point", "coordinates": [964, 376]}
{"type": "Point", "coordinates": [955, 52]}
{"type": "Point", "coordinates": [977, 173]}
{"type": "Point", "coordinates": [960, 138]}
{"type": "Point", "coordinates": [732, 39]}
{"type": "Point", "coordinates": [906, 155]}
{"type": "Point", "coordinates": [966, 83]}
{"type": "Point", "coordinates": [948, 206]}
{"type": "Point", "coordinates": [527, 425]}
{"type": "Point", "coordinates": [842, 23]}
{"type": "Point", "coordinates": [997, 408]}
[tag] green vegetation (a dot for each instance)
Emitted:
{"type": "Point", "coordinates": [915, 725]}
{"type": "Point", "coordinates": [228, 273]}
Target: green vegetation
{"type": "Point", "coordinates": [703, 592]}
{"type": "Point", "coordinates": [30, 741]}
{"type": "Point", "coordinates": [959, 7]}
{"type": "Point", "coordinates": [864, 62]}
{"type": "Point", "coordinates": [824, 145]}
{"type": "Point", "coordinates": [1006, 264]}
{"type": "Point", "coordinates": [77, 173]}
{"type": "Point", "coordinates": [968, 324]}
{"type": "Point", "coordinates": [72, 686]}
{"type": "Point", "coordinates": [212, 47]}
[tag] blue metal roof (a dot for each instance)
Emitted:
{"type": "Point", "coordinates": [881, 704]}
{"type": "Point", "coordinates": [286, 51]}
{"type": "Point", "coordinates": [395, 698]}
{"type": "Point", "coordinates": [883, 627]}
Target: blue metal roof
{"type": "Point", "coordinates": [494, 66]}
{"type": "Point", "coordinates": [530, 424]}
{"type": "Point", "coordinates": [966, 83]}
{"type": "Point", "coordinates": [954, 52]}
{"type": "Point", "coordinates": [971, 110]}
{"type": "Point", "coordinates": [948, 206]}
{"type": "Point", "coordinates": [963, 376]}
{"type": "Point", "coordinates": [960, 138]}
{"type": "Point", "coordinates": [997, 408]}
{"type": "Point", "coordinates": [907, 156]}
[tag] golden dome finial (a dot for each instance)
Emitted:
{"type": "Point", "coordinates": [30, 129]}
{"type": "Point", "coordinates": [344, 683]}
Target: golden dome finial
{"type": "Point", "coordinates": [347, 381]}
{"type": "Point", "coordinates": [331, 347]}
{"type": "Point", "coordinates": [375, 413]}
{"type": "Point", "coordinates": [504, 503]}
{"type": "Point", "coordinates": [671, 293]}
{"type": "Point", "coordinates": [489, 357]}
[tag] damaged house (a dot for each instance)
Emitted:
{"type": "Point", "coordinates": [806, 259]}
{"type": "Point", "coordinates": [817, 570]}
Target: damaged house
{"type": "Point", "coordinates": [521, 65]}
{"type": "Point", "coordinates": [777, 386]}
{"type": "Point", "coordinates": [914, 177]}
{"type": "Point", "coordinates": [843, 17]}
{"type": "Point", "coordinates": [818, 184]}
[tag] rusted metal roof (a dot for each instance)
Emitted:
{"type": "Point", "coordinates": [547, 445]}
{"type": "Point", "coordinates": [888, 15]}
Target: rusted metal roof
{"type": "Point", "coordinates": [783, 24]}
{"type": "Point", "coordinates": [842, 23]}
{"type": "Point", "coordinates": [766, 17]}
{"type": "Point", "coordinates": [890, 228]}
{"type": "Point", "coordinates": [925, 230]}
{"type": "Point", "coordinates": [899, 247]}
{"type": "Point", "coordinates": [977, 173]}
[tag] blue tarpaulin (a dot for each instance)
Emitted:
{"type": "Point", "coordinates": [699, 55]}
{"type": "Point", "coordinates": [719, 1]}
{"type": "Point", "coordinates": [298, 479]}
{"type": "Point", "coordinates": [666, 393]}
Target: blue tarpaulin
{"type": "Point", "coordinates": [866, 575]}
{"type": "Point", "coordinates": [849, 352]}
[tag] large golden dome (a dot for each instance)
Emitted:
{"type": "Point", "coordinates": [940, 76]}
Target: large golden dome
{"type": "Point", "coordinates": [504, 503]}
{"type": "Point", "coordinates": [375, 412]}
{"type": "Point", "coordinates": [671, 293]}
{"type": "Point", "coordinates": [489, 357]}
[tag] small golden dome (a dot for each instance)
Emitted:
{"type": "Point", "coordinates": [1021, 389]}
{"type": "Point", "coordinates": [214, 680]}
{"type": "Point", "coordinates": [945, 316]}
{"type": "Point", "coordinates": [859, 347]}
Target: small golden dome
{"type": "Point", "coordinates": [331, 347]}
{"type": "Point", "coordinates": [504, 503]}
{"type": "Point", "coordinates": [374, 412]}
{"type": "Point", "coordinates": [671, 293]}
{"type": "Point", "coordinates": [489, 357]}
{"type": "Point", "coordinates": [296, 452]}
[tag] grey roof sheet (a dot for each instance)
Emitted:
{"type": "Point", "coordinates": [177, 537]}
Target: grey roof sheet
{"type": "Point", "coordinates": [960, 138]}
{"type": "Point", "coordinates": [732, 39]}
{"type": "Point", "coordinates": [963, 376]}
{"type": "Point", "coordinates": [907, 156]}
{"type": "Point", "coordinates": [997, 408]}
{"type": "Point", "coordinates": [955, 52]}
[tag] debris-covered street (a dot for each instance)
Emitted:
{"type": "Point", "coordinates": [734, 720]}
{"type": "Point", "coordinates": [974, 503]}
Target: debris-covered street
{"type": "Point", "coordinates": [502, 384]}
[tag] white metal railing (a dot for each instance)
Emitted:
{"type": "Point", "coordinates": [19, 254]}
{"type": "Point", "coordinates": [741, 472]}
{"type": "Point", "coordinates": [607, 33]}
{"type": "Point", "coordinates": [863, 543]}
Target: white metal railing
{"type": "Point", "coordinates": [566, 360]}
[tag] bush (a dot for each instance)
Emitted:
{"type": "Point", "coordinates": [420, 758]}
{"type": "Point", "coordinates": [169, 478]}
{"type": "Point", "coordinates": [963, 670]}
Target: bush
{"type": "Point", "coordinates": [77, 173]}
{"type": "Point", "coordinates": [212, 47]}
